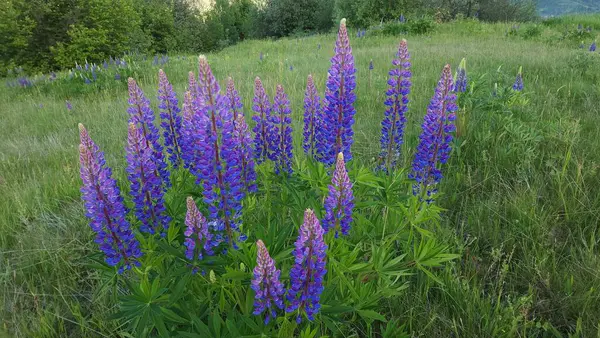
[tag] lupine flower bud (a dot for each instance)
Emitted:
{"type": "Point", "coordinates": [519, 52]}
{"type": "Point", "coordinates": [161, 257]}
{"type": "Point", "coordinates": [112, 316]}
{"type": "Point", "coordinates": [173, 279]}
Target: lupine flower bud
{"type": "Point", "coordinates": [336, 134]}
{"type": "Point", "coordinates": [265, 283]}
{"type": "Point", "coordinates": [262, 109]}
{"type": "Point", "coordinates": [392, 126]}
{"type": "Point", "coordinates": [306, 275]}
{"type": "Point", "coordinates": [104, 207]}
{"type": "Point", "coordinates": [460, 86]}
{"type": "Point", "coordinates": [434, 146]}
{"type": "Point", "coordinates": [280, 135]}
{"type": "Point", "coordinates": [518, 85]}
{"type": "Point", "coordinates": [340, 200]}
{"type": "Point", "coordinates": [143, 117]}
{"type": "Point", "coordinates": [197, 238]}
{"type": "Point", "coordinates": [171, 118]}
{"type": "Point", "coordinates": [146, 186]}
{"type": "Point", "coordinates": [312, 117]}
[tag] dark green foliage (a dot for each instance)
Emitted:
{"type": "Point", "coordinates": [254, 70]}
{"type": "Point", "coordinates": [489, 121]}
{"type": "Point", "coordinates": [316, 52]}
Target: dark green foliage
{"type": "Point", "coordinates": [285, 17]}
{"type": "Point", "coordinates": [417, 27]}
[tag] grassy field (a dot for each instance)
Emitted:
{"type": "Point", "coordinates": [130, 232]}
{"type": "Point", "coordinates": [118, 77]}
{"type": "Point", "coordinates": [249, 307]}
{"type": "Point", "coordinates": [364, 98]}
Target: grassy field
{"type": "Point", "coordinates": [522, 188]}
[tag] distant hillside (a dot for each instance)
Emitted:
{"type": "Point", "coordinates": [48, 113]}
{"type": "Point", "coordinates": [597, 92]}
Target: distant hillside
{"type": "Point", "coordinates": [559, 7]}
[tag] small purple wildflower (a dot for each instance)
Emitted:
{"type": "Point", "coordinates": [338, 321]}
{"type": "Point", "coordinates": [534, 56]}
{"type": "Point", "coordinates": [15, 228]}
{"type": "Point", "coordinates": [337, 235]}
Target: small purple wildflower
{"type": "Point", "coordinates": [68, 105]}
{"type": "Point", "coordinates": [371, 67]}
{"type": "Point", "coordinates": [260, 56]}
{"type": "Point", "coordinates": [104, 207]}
{"type": "Point", "coordinates": [593, 47]}
{"type": "Point", "coordinates": [435, 140]}
{"type": "Point", "coordinates": [266, 285]}
{"type": "Point", "coordinates": [117, 76]}
{"type": "Point", "coordinates": [340, 200]}
{"type": "Point", "coordinates": [171, 118]}
{"type": "Point", "coordinates": [306, 275]}
{"type": "Point", "coordinates": [280, 135]}
{"type": "Point", "coordinates": [336, 134]}
{"type": "Point", "coordinates": [197, 238]}
{"type": "Point", "coordinates": [402, 19]}
{"type": "Point", "coordinates": [518, 85]}
{"type": "Point", "coordinates": [312, 117]}
{"type": "Point", "coordinates": [262, 110]}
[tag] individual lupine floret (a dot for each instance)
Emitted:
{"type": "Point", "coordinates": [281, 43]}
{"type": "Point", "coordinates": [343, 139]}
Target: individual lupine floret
{"type": "Point", "coordinates": [394, 121]}
{"type": "Point", "coordinates": [306, 275]}
{"type": "Point", "coordinates": [312, 117]}
{"type": "Point", "coordinates": [244, 146]}
{"type": "Point", "coordinates": [336, 134]}
{"type": "Point", "coordinates": [171, 118]}
{"type": "Point", "coordinates": [340, 200]}
{"type": "Point", "coordinates": [435, 140]}
{"type": "Point", "coordinates": [217, 165]}
{"type": "Point", "coordinates": [104, 207]}
{"type": "Point", "coordinates": [460, 84]}
{"type": "Point", "coordinates": [266, 285]}
{"type": "Point", "coordinates": [198, 241]}
{"type": "Point", "coordinates": [280, 133]}
{"type": "Point", "coordinates": [262, 109]}
{"type": "Point", "coordinates": [143, 117]}
{"type": "Point", "coordinates": [518, 85]}
{"type": "Point", "coordinates": [145, 186]}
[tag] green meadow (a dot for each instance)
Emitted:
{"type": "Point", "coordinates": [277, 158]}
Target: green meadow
{"type": "Point", "coordinates": [520, 193]}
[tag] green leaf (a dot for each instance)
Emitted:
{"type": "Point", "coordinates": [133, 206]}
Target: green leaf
{"type": "Point", "coordinates": [370, 314]}
{"type": "Point", "coordinates": [233, 331]}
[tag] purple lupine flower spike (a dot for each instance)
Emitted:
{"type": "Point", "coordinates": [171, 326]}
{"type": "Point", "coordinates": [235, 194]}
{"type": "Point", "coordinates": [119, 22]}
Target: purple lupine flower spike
{"type": "Point", "coordinates": [340, 200]}
{"type": "Point", "coordinates": [104, 207]}
{"type": "Point", "coordinates": [235, 103]}
{"type": "Point", "coordinates": [244, 144]}
{"type": "Point", "coordinates": [518, 85]}
{"type": "Point", "coordinates": [460, 84]}
{"type": "Point", "coordinates": [143, 117]}
{"type": "Point", "coordinates": [188, 133]}
{"type": "Point", "coordinates": [392, 126]}
{"type": "Point", "coordinates": [171, 118]}
{"type": "Point", "coordinates": [197, 238]}
{"type": "Point", "coordinates": [146, 186]}
{"type": "Point", "coordinates": [593, 47]}
{"type": "Point", "coordinates": [193, 87]}
{"type": "Point", "coordinates": [266, 285]}
{"type": "Point", "coordinates": [336, 134]}
{"type": "Point", "coordinates": [312, 117]}
{"type": "Point", "coordinates": [435, 140]}
{"type": "Point", "coordinates": [217, 165]}
{"type": "Point", "coordinates": [306, 275]}
{"type": "Point", "coordinates": [280, 135]}
{"type": "Point", "coordinates": [262, 110]}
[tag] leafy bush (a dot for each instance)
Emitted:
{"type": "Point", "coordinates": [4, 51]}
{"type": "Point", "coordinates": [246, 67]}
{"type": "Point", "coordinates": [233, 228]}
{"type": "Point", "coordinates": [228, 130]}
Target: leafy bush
{"type": "Point", "coordinates": [532, 31]}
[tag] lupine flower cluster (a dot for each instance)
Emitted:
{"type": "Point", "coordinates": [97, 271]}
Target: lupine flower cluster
{"type": "Point", "coordinates": [340, 200]}
{"type": "Point", "coordinates": [146, 186]}
{"type": "Point", "coordinates": [336, 134]}
{"type": "Point", "coordinates": [280, 133]}
{"type": "Point", "coordinates": [434, 143]}
{"type": "Point", "coordinates": [518, 85]}
{"type": "Point", "coordinates": [170, 118]}
{"type": "Point", "coordinates": [460, 85]}
{"type": "Point", "coordinates": [306, 275]}
{"type": "Point", "coordinates": [142, 116]}
{"type": "Point", "coordinates": [262, 116]}
{"type": "Point", "coordinates": [197, 238]}
{"type": "Point", "coordinates": [392, 126]}
{"type": "Point", "coordinates": [312, 117]}
{"type": "Point", "coordinates": [265, 283]}
{"type": "Point", "coordinates": [104, 207]}
{"type": "Point", "coordinates": [217, 166]}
